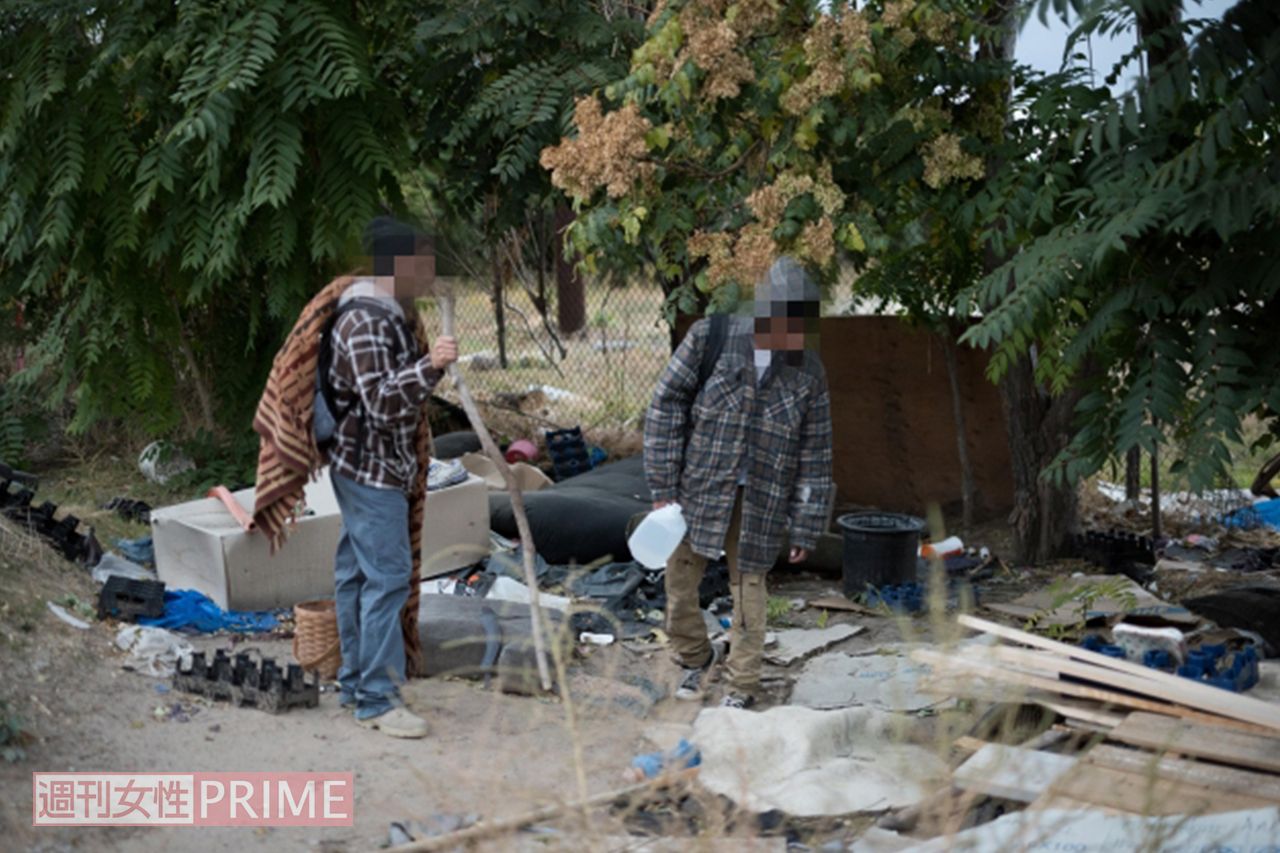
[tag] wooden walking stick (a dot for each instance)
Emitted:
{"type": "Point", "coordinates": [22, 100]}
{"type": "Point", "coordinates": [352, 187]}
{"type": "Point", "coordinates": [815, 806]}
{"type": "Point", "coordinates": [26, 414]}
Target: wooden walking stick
{"type": "Point", "coordinates": [445, 303]}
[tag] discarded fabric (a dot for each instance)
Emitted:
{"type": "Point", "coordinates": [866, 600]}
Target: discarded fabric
{"type": "Point", "coordinates": [192, 610]}
{"type": "Point", "coordinates": [808, 763]}
{"type": "Point", "coordinates": [141, 551]}
{"type": "Point", "coordinates": [153, 651]}
{"type": "Point", "coordinates": [112, 565]}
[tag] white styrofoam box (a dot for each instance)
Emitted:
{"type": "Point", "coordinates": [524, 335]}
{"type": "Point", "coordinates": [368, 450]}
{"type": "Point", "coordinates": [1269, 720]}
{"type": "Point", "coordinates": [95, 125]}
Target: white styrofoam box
{"type": "Point", "coordinates": [455, 527]}
{"type": "Point", "coordinates": [200, 546]}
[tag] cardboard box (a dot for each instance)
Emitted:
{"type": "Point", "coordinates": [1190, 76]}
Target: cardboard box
{"type": "Point", "coordinates": [455, 527]}
{"type": "Point", "coordinates": [200, 546]}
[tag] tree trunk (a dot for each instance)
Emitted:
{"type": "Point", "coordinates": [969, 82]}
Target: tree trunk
{"type": "Point", "coordinates": [1044, 514]}
{"type": "Point", "coordinates": [499, 309]}
{"type": "Point", "coordinates": [571, 295]}
{"type": "Point", "coordinates": [1157, 529]}
{"type": "Point", "coordinates": [968, 484]}
{"type": "Point", "coordinates": [1133, 474]}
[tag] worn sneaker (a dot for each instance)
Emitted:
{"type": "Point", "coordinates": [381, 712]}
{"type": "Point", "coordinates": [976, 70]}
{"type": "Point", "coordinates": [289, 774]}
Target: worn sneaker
{"type": "Point", "coordinates": [690, 686]}
{"type": "Point", "coordinates": [741, 701]}
{"type": "Point", "coordinates": [398, 722]}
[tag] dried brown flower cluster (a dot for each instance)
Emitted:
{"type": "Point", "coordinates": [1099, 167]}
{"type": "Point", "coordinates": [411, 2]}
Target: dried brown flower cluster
{"type": "Point", "coordinates": [748, 17]}
{"type": "Point", "coordinates": [609, 151]}
{"type": "Point", "coordinates": [744, 257]}
{"type": "Point", "coordinates": [944, 162]}
{"type": "Point", "coordinates": [713, 46]}
{"type": "Point", "coordinates": [770, 201]}
{"type": "Point", "coordinates": [937, 26]}
{"type": "Point", "coordinates": [896, 12]}
{"type": "Point", "coordinates": [831, 45]}
{"type": "Point", "coordinates": [818, 241]}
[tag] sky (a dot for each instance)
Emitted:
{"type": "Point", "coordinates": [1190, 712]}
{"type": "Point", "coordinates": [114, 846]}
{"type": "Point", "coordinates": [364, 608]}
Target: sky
{"type": "Point", "coordinates": [1041, 46]}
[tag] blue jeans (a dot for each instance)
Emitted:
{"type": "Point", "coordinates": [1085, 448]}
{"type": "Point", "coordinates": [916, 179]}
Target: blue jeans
{"type": "Point", "coordinates": [372, 569]}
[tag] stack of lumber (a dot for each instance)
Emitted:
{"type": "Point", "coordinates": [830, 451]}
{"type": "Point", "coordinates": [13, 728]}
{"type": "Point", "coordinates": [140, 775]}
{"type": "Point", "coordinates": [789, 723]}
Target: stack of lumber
{"type": "Point", "coordinates": [1157, 744]}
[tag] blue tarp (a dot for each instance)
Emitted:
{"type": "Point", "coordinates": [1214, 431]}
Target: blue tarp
{"type": "Point", "coordinates": [141, 551]}
{"type": "Point", "coordinates": [194, 611]}
{"type": "Point", "coordinates": [1264, 512]}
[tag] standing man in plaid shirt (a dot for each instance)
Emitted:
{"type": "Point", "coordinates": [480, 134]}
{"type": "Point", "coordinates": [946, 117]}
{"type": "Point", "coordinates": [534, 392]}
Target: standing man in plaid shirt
{"type": "Point", "coordinates": [379, 380]}
{"type": "Point", "coordinates": [747, 456]}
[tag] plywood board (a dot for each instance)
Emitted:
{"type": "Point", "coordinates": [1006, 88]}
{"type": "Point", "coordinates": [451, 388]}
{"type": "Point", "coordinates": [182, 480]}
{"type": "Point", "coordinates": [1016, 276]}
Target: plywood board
{"type": "Point", "coordinates": [1148, 794]}
{"type": "Point", "coordinates": [1000, 770]}
{"type": "Point", "coordinates": [1067, 688]}
{"type": "Point", "coordinates": [1263, 786]}
{"type": "Point", "coordinates": [1173, 688]}
{"type": "Point", "coordinates": [1241, 749]}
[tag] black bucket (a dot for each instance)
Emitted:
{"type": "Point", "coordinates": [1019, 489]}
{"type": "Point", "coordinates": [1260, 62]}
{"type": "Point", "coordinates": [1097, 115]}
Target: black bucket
{"type": "Point", "coordinates": [880, 549]}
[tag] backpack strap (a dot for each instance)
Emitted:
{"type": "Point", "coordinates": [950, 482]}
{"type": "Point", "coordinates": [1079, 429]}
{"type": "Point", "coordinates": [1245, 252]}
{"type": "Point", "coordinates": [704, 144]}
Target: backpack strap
{"type": "Point", "coordinates": [717, 332]}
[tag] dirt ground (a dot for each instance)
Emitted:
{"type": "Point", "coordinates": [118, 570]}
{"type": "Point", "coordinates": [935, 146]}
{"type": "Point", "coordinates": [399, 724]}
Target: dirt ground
{"type": "Point", "coordinates": [489, 754]}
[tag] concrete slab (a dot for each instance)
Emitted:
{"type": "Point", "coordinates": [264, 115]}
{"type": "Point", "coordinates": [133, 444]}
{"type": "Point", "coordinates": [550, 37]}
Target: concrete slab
{"type": "Point", "coordinates": [889, 682]}
{"type": "Point", "coordinates": [796, 644]}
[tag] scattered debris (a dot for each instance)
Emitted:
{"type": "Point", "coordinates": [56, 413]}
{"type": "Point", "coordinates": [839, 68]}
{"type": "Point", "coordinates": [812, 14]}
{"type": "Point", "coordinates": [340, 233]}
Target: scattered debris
{"type": "Point", "coordinates": [1083, 599]}
{"type": "Point", "coordinates": [153, 651]}
{"type": "Point", "coordinates": [650, 764]}
{"type": "Point", "coordinates": [130, 509]}
{"type": "Point", "coordinates": [161, 461]}
{"type": "Point", "coordinates": [62, 614]}
{"type": "Point", "coordinates": [113, 566]}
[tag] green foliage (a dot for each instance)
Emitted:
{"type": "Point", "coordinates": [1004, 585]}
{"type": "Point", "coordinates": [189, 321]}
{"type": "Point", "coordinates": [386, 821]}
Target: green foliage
{"type": "Point", "coordinates": [492, 84]}
{"type": "Point", "coordinates": [175, 179]}
{"type": "Point", "coordinates": [1144, 228]}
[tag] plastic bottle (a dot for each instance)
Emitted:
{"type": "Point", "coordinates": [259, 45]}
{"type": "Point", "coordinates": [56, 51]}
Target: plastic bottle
{"type": "Point", "coordinates": [655, 538]}
{"type": "Point", "coordinates": [950, 545]}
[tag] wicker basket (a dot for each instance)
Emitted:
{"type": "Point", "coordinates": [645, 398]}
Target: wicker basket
{"type": "Point", "coordinates": [315, 637]}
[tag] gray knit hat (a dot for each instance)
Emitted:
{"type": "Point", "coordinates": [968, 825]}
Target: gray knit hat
{"type": "Point", "coordinates": [787, 291]}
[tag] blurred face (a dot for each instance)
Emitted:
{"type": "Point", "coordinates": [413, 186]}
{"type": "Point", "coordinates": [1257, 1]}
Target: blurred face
{"type": "Point", "coordinates": [414, 276]}
{"type": "Point", "coordinates": [785, 326]}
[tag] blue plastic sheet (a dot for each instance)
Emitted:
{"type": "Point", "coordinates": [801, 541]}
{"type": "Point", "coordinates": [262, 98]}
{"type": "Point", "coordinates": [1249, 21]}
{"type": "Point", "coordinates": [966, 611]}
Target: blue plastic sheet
{"type": "Point", "coordinates": [1262, 513]}
{"type": "Point", "coordinates": [186, 609]}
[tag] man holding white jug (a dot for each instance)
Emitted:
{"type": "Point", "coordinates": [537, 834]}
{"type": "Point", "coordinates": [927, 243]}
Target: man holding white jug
{"type": "Point", "coordinates": [739, 437]}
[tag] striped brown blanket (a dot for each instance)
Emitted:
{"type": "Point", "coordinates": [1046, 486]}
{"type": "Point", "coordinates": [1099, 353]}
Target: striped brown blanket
{"type": "Point", "coordinates": [288, 456]}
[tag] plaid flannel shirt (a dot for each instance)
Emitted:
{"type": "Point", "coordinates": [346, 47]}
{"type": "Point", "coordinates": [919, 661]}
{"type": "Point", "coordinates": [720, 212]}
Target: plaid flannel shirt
{"type": "Point", "coordinates": [695, 440]}
{"type": "Point", "coordinates": [378, 370]}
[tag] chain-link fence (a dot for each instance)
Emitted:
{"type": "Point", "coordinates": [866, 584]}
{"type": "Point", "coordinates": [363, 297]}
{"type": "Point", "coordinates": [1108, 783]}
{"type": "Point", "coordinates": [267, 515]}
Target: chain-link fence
{"type": "Point", "coordinates": [600, 376]}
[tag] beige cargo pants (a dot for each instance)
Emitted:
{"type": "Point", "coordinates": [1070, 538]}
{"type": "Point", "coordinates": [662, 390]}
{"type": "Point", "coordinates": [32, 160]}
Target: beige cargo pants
{"type": "Point", "coordinates": [685, 625]}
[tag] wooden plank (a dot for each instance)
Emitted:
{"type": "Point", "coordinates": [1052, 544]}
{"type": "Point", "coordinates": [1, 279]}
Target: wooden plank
{"type": "Point", "coordinates": [1089, 712]}
{"type": "Point", "coordinates": [1059, 666]}
{"type": "Point", "coordinates": [1146, 794]}
{"type": "Point", "coordinates": [999, 770]}
{"type": "Point", "coordinates": [1068, 688]}
{"type": "Point", "coordinates": [1176, 689]}
{"type": "Point", "coordinates": [1241, 749]}
{"type": "Point", "coordinates": [968, 744]}
{"type": "Point", "coordinates": [1232, 780]}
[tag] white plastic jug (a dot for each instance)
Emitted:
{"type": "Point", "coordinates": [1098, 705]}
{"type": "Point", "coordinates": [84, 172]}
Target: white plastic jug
{"type": "Point", "coordinates": [655, 538]}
